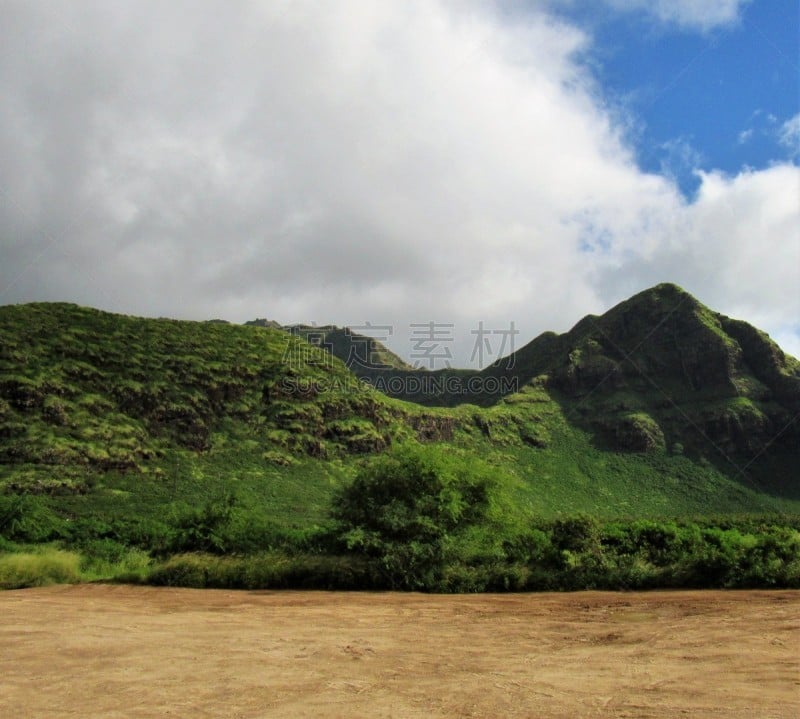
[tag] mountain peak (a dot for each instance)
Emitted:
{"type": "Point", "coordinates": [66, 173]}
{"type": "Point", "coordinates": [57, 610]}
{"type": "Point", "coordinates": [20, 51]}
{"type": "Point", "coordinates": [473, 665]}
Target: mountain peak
{"type": "Point", "coordinates": [662, 367]}
{"type": "Point", "coordinates": [665, 295]}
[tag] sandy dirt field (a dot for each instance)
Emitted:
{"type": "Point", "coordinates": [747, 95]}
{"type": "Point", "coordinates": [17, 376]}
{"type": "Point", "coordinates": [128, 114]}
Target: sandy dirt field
{"type": "Point", "coordinates": [117, 651]}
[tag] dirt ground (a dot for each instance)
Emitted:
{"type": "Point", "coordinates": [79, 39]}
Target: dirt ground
{"type": "Point", "coordinates": [118, 651]}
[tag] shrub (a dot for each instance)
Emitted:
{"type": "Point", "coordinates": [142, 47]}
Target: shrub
{"type": "Point", "coordinates": [265, 571]}
{"type": "Point", "coordinates": [412, 510]}
{"type": "Point", "coordinates": [576, 534]}
{"type": "Point", "coordinates": [36, 569]}
{"type": "Point", "coordinates": [28, 519]}
{"type": "Point", "coordinates": [204, 529]}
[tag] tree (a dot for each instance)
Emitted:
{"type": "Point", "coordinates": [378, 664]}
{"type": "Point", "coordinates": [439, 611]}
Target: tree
{"type": "Point", "coordinates": [409, 508]}
{"type": "Point", "coordinates": [204, 528]}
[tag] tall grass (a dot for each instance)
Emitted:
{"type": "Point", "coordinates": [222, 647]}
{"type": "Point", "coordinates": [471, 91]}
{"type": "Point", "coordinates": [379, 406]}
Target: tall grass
{"type": "Point", "coordinates": [266, 571]}
{"type": "Point", "coordinates": [44, 565]}
{"type": "Point", "coordinates": [122, 565]}
{"type": "Point", "coordinates": [39, 568]}
{"type": "Point", "coordinates": [755, 551]}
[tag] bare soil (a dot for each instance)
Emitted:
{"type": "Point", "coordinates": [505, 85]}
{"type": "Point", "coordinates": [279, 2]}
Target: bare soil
{"type": "Point", "coordinates": [120, 651]}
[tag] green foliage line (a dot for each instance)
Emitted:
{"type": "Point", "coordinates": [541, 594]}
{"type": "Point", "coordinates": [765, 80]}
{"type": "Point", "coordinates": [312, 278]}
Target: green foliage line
{"type": "Point", "coordinates": [417, 518]}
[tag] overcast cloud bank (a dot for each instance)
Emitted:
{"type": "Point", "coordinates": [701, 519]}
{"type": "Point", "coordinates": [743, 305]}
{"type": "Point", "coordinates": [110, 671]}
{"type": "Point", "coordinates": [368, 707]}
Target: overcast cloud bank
{"type": "Point", "coordinates": [351, 161]}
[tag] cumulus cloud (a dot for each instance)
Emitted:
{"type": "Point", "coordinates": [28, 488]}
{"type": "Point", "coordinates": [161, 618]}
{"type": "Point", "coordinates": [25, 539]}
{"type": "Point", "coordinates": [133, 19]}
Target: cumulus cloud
{"type": "Point", "coordinates": [695, 14]}
{"type": "Point", "coordinates": [789, 135]}
{"type": "Point", "coordinates": [350, 161]}
{"type": "Point", "coordinates": [737, 247]}
{"type": "Point", "coordinates": [679, 156]}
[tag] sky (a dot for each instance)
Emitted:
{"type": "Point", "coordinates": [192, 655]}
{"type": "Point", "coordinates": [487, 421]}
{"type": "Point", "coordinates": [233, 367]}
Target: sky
{"type": "Point", "coordinates": [401, 163]}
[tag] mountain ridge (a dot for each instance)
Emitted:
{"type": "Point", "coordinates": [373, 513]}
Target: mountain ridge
{"type": "Point", "coordinates": [647, 369]}
{"type": "Point", "coordinates": [321, 332]}
{"type": "Point", "coordinates": [86, 396]}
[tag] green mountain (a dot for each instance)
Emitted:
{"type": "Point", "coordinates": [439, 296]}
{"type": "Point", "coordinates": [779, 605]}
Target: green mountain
{"type": "Point", "coordinates": [361, 354]}
{"type": "Point", "coordinates": [660, 407]}
{"type": "Point", "coordinates": [661, 369]}
{"type": "Point", "coordinates": [658, 371]}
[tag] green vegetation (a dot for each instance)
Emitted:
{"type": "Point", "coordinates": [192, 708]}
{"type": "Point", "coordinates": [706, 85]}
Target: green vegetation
{"type": "Point", "coordinates": [421, 517]}
{"type": "Point", "coordinates": [360, 353]}
{"type": "Point", "coordinates": [40, 565]}
{"type": "Point", "coordinates": [36, 569]}
{"type": "Point", "coordinates": [568, 554]}
{"type": "Point", "coordinates": [417, 510]}
{"type": "Point", "coordinates": [652, 446]}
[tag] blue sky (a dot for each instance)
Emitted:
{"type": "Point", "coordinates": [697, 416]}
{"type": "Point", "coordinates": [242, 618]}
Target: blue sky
{"type": "Point", "coordinates": [403, 161]}
{"type": "Point", "coordinates": [700, 98]}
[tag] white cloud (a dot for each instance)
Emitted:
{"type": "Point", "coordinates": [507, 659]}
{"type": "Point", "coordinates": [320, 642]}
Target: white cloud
{"type": "Point", "coordinates": [695, 14]}
{"type": "Point", "coordinates": [789, 135]}
{"type": "Point", "coordinates": [745, 136]}
{"type": "Point", "coordinates": [736, 247]}
{"type": "Point", "coordinates": [679, 156]}
{"type": "Point", "coordinates": [351, 161]}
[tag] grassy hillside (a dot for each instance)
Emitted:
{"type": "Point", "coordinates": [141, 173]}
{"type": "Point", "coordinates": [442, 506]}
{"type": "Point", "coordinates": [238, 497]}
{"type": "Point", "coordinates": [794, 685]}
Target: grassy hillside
{"type": "Point", "coordinates": [124, 438]}
{"type": "Point", "coordinates": [85, 393]}
{"type": "Point", "coordinates": [659, 372]}
{"type": "Point", "coordinates": [360, 353]}
{"type": "Point", "coordinates": [119, 409]}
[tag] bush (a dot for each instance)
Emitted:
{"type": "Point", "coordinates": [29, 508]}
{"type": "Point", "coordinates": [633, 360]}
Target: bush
{"type": "Point", "coordinates": [414, 510]}
{"type": "Point", "coordinates": [106, 559]}
{"type": "Point", "coordinates": [145, 533]}
{"type": "Point", "coordinates": [36, 569]}
{"type": "Point", "coordinates": [28, 519]}
{"type": "Point", "coordinates": [265, 571]}
{"type": "Point", "coordinates": [204, 529]}
{"type": "Point", "coordinates": [576, 534]}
